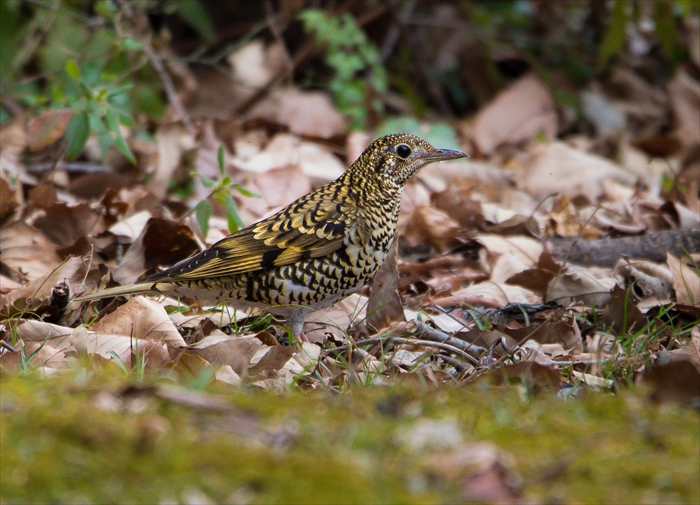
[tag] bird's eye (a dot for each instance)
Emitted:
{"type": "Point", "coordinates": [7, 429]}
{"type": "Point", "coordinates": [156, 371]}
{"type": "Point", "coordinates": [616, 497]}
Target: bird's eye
{"type": "Point", "coordinates": [403, 150]}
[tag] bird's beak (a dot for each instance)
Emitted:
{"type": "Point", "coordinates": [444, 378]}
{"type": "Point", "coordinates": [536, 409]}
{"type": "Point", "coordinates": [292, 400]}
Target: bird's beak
{"type": "Point", "coordinates": [444, 155]}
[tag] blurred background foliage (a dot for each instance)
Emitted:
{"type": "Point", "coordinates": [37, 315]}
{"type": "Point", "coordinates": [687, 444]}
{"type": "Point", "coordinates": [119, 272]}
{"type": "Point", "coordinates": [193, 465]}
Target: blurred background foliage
{"type": "Point", "coordinates": [380, 61]}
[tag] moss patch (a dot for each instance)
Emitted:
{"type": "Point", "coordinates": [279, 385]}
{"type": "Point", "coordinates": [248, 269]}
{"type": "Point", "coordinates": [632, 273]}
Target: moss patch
{"type": "Point", "coordinates": [72, 439]}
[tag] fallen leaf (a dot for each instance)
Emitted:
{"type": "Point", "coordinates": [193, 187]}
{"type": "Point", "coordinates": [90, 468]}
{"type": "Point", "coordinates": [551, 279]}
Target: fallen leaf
{"type": "Point", "coordinates": [333, 322]}
{"type": "Point", "coordinates": [385, 305]}
{"type": "Point", "coordinates": [305, 113]}
{"type": "Point", "coordinates": [433, 227]}
{"type": "Point", "coordinates": [280, 186]}
{"type": "Point", "coordinates": [221, 349]}
{"type": "Point", "coordinates": [519, 113]}
{"type": "Point", "coordinates": [273, 360]}
{"type": "Point", "coordinates": [286, 149]}
{"type": "Point", "coordinates": [581, 286]}
{"type": "Point", "coordinates": [684, 93]}
{"type": "Point", "coordinates": [485, 294]}
{"type": "Point", "coordinates": [226, 375]}
{"type": "Point", "coordinates": [558, 168]}
{"type": "Point", "coordinates": [64, 224]}
{"type": "Point", "coordinates": [163, 242]}
{"type": "Point", "coordinates": [141, 318]}
{"type": "Point", "coordinates": [31, 295]}
{"type": "Point", "coordinates": [47, 128]}
{"type": "Point", "coordinates": [686, 279]}
{"type": "Point", "coordinates": [27, 251]}
{"type": "Point", "coordinates": [8, 199]}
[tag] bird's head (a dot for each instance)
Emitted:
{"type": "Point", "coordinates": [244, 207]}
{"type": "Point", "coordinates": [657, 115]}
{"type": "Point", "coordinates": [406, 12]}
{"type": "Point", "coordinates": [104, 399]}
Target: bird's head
{"type": "Point", "coordinates": [392, 160]}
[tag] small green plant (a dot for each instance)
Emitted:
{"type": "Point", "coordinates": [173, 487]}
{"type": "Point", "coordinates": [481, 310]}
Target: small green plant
{"type": "Point", "coordinates": [351, 56]}
{"type": "Point", "coordinates": [221, 192]}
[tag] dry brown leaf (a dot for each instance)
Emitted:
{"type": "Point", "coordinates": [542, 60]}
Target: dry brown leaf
{"type": "Point", "coordinates": [334, 322]}
{"type": "Point", "coordinates": [64, 224]}
{"type": "Point", "coordinates": [124, 347]}
{"type": "Point", "coordinates": [519, 113]}
{"type": "Point", "coordinates": [31, 295]}
{"type": "Point", "coordinates": [47, 128]}
{"type": "Point", "coordinates": [541, 376]}
{"type": "Point", "coordinates": [141, 318]}
{"type": "Point", "coordinates": [24, 249]}
{"type": "Point", "coordinates": [173, 142]}
{"type": "Point", "coordinates": [253, 66]}
{"type": "Point", "coordinates": [686, 281]}
{"type": "Point", "coordinates": [566, 220]}
{"type": "Point", "coordinates": [508, 266]}
{"type": "Point", "coordinates": [273, 360]}
{"type": "Point", "coordinates": [39, 331]}
{"type": "Point", "coordinates": [221, 349]}
{"type": "Point", "coordinates": [561, 169]}
{"type": "Point", "coordinates": [457, 202]}
{"type": "Point", "coordinates": [163, 242]}
{"type": "Point", "coordinates": [487, 294]}
{"type": "Point", "coordinates": [13, 140]}
{"type": "Point", "coordinates": [581, 286]}
{"type": "Point", "coordinates": [684, 92]}
{"type": "Point", "coordinates": [675, 380]}
{"type": "Point", "coordinates": [8, 199]}
{"type": "Point", "coordinates": [280, 186]}
{"type": "Point", "coordinates": [226, 375]}
{"type": "Point", "coordinates": [526, 249]}
{"type": "Point", "coordinates": [385, 305]}
{"type": "Point", "coordinates": [433, 227]}
{"type": "Point", "coordinates": [305, 113]}
{"type": "Point", "coordinates": [285, 149]}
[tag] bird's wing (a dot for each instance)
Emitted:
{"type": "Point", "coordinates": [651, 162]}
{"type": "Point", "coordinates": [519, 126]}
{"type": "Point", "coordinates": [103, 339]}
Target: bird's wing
{"type": "Point", "coordinates": [308, 228]}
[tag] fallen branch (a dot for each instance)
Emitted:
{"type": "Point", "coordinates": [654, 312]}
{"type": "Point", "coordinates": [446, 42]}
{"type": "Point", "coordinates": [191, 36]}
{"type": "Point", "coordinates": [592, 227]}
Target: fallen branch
{"type": "Point", "coordinates": [408, 341]}
{"type": "Point", "coordinates": [651, 246]}
{"type": "Point", "coordinates": [417, 328]}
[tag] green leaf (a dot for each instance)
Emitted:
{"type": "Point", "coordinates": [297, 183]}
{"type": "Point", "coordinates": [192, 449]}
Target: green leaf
{"type": "Point", "coordinates": [73, 70]}
{"type": "Point", "coordinates": [234, 220]}
{"type": "Point", "coordinates": [130, 44]}
{"type": "Point", "coordinates": [244, 191]}
{"type": "Point", "coordinates": [203, 213]}
{"type": "Point", "coordinates": [220, 158]}
{"type": "Point", "coordinates": [208, 183]}
{"type": "Point", "coordinates": [77, 133]}
{"type": "Point", "coordinates": [111, 121]}
{"type": "Point", "coordinates": [220, 196]}
{"type": "Point", "coordinates": [614, 38]}
{"type": "Point", "coordinates": [194, 14]}
{"type": "Point", "coordinates": [123, 146]}
{"type": "Point", "coordinates": [119, 90]}
{"type": "Point", "coordinates": [126, 120]}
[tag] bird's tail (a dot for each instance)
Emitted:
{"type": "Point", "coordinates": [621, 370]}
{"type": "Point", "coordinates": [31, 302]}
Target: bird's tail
{"type": "Point", "coordinates": [139, 288]}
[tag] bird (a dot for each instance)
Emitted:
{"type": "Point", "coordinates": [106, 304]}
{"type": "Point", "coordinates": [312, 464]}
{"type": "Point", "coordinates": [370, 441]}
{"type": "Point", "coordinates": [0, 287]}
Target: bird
{"type": "Point", "coordinates": [314, 252]}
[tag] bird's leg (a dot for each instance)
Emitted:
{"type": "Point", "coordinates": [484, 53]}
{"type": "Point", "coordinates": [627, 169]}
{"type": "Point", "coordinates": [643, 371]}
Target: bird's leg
{"type": "Point", "coordinates": [296, 322]}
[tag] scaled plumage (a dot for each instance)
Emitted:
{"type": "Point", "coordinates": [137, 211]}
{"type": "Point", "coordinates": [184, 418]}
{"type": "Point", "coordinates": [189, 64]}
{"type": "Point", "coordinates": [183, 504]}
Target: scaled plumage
{"type": "Point", "coordinates": [319, 249]}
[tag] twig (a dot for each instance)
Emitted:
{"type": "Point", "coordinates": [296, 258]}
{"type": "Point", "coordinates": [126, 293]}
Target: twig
{"type": "Point", "coordinates": [581, 362]}
{"type": "Point", "coordinates": [163, 75]}
{"type": "Point", "coordinates": [169, 87]}
{"type": "Point", "coordinates": [458, 365]}
{"type": "Point", "coordinates": [408, 341]}
{"type": "Point", "coordinates": [7, 346]}
{"type": "Point", "coordinates": [272, 23]}
{"type": "Point", "coordinates": [420, 329]}
{"type": "Point", "coordinates": [392, 35]}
